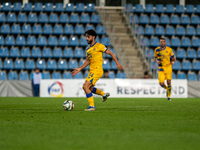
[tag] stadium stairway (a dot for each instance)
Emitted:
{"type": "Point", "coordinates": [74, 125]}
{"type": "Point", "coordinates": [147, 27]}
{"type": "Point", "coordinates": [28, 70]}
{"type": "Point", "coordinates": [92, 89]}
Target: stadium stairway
{"type": "Point", "coordinates": [127, 42]}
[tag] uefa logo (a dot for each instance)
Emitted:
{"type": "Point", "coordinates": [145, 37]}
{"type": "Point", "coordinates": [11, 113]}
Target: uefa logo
{"type": "Point", "coordinates": [56, 89]}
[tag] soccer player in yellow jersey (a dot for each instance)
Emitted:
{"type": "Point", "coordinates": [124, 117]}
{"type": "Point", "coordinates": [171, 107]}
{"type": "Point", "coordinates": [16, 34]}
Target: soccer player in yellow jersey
{"type": "Point", "coordinates": [162, 57]}
{"type": "Point", "coordinates": [94, 58]}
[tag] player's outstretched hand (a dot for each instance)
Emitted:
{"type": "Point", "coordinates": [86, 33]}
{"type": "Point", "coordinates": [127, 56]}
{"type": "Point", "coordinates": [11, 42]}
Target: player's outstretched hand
{"type": "Point", "coordinates": [75, 71]}
{"type": "Point", "coordinates": [172, 62]}
{"type": "Point", "coordinates": [119, 66]}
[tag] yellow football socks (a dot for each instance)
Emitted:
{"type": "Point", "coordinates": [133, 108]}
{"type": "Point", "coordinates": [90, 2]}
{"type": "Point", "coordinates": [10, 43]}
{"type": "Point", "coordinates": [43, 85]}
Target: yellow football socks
{"type": "Point", "coordinates": [169, 91]}
{"type": "Point", "coordinates": [97, 91]}
{"type": "Point", "coordinates": [164, 86]}
{"type": "Point", "coordinates": [90, 99]}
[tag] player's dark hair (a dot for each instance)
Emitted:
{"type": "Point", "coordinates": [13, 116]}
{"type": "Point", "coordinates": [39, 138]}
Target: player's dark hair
{"type": "Point", "coordinates": [162, 39]}
{"type": "Point", "coordinates": [146, 73]}
{"type": "Point", "coordinates": [91, 32]}
{"type": "Point", "coordinates": [37, 69]}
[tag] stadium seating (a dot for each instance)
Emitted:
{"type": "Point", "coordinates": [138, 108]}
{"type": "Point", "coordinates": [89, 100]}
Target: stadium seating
{"type": "Point", "coordinates": [23, 76]}
{"type": "Point", "coordinates": [3, 75]}
{"type": "Point", "coordinates": [181, 75]}
{"type": "Point", "coordinates": [67, 75]}
{"type": "Point", "coordinates": [30, 65]}
{"type": "Point", "coordinates": [192, 77]}
{"type": "Point", "coordinates": [56, 75]}
{"type": "Point", "coordinates": [46, 75]}
{"type": "Point", "coordinates": [62, 65]}
{"type": "Point", "coordinates": [14, 52]}
{"type": "Point", "coordinates": [12, 75]}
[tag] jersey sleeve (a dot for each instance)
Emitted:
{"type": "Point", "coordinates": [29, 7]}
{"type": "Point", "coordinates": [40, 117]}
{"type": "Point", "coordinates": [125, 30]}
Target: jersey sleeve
{"type": "Point", "coordinates": [102, 48]}
{"type": "Point", "coordinates": [171, 53]}
{"type": "Point", "coordinates": [155, 53]}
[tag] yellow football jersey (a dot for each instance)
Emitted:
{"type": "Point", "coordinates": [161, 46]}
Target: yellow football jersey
{"type": "Point", "coordinates": [163, 55]}
{"type": "Point", "coordinates": [95, 55]}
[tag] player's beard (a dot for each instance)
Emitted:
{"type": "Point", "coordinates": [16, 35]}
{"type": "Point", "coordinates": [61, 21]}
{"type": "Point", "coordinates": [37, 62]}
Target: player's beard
{"type": "Point", "coordinates": [90, 41]}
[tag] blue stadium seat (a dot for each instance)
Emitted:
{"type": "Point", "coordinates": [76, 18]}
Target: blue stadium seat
{"type": "Point", "coordinates": [154, 41]}
{"type": "Point", "coordinates": [22, 18]}
{"type": "Point", "coordinates": [42, 41]}
{"type": "Point", "coordinates": [164, 19]}
{"type": "Point", "coordinates": [37, 29]}
{"type": "Point", "coordinates": [67, 75]}
{"type": "Point", "coordinates": [53, 18]}
{"type": "Point", "coordinates": [36, 52]}
{"type": "Point", "coordinates": [181, 75]}
{"type": "Point", "coordinates": [105, 41]}
{"type": "Point", "coordinates": [74, 41]}
{"type": "Point", "coordinates": [8, 64]}
{"type": "Point", "coordinates": [168, 43]}
{"type": "Point", "coordinates": [59, 7]}
{"type": "Point", "coordinates": [80, 7]}
{"type": "Point", "coordinates": [191, 54]}
{"type": "Point", "coordinates": [111, 75]}
{"type": "Point", "coordinates": [196, 42]}
{"type": "Point", "coordinates": [83, 41]}
{"type": "Point", "coordinates": [78, 53]}
{"type": "Point", "coordinates": [173, 75]}
{"type": "Point", "coordinates": [129, 8]}
{"type": "Point", "coordinates": [160, 8]}
{"type": "Point", "coordinates": [175, 19]}
{"type": "Point", "coordinates": [100, 30]}
{"type": "Point", "coordinates": [31, 41]}
{"type": "Point", "coordinates": [81, 63]}
{"type": "Point", "coordinates": [12, 75]}
{"type": "Point", "coordinates": [4, 52]}
{"type": "Point", "coordinates": [190, 9]}
{"type": "Point", "coordinates": [181, 54]}
{"type": "Point", "coordinates": [53, 41]}
{"type": "Point", "coordinates": [186, 65]}
{"type": "Point", "coordinates": [79, 76]}
{"type": "Point", "coordinates": [57, 53]}
{"type": "Point", "coordinates": [43, 18]}
{"type": "Point", "coordinates": [58, 29]}
{"type": "Point", "coordinates": [62, 65]}
{"type": "Point", "coordinates": [95, 18]}
{"type": "Point", "coordinates": [63, 41]}
{"type": "Point", "coordinates": [177, 65]}
{"type": "Point", "coordinates": [190, 31]}
{"type": "Point", "coordinates": [19, 64]}
{"type": "Point", "coordinates": [46, 75]}
{"type": "Point", "coordinates": [139, 8]}
{"type": "Point", "coordinates": [51, 65]}
{"type": "Point", "coordinates": [5, 29]}
{"type": "Point", "coordinates": [86, 74]}
{"type": "Point", "coordinates": [144, 19]}
{"type": "Point", "coordinates": [198, 9]}
{"type": "Point", "coordinates": [2, 17]}
{"type": "Point", "coordinates": [23, 76]}
{"type": "Point", "coordinates": [79, 29]}
{"type": "Point", "coordinates": [30, 64]}
{"type": "Point", "coordinates": [175, 42]}
{"type": "Point", "coordinates": [149, 53]}
{"type": "Point", "coordinates": [195, 19]}
{"type": "Point", "coordinates": [198, 30]}
{"type": "Point", "coordinates": [49, 7]}
{"type": "Point", "coordinates": [20, 40]}
{"type": "Point", "coordinates": [11, 17]}
{"type": "Point", "coordinates": [121, 75]}
{"type": "Point", "coordinates": [46, 52]}
{"type": "Point", "coordinates": [41, 64]}
{"type": "Point", "coordinates": [180, 30]}
{"type": "Point", "coordinates": [85, 18]}
{"type": "Point", "coordinates": [74, 18]}
{"type": "Point", "coordinates": [154, 19]}
{"type": "Point", "coordinates": [149, 30]}
{"type": "Point", "coordinates": [134, 19]}
{"type": "Point", "coordinates": [69, 29]}
{"type": "Point", "coordinates": [28, 7]}
{"type": "Point", "coordinates": [68, 53]}
{"type": "Point", "coordinates": [1, 66]}
{"type": "Point", "coordinates": [15, 29]}
{"type": "Point", "coordinates": [170, 30]}
{"type": "Point", "coordinates": [64, 18]}
{"type": "Point", "coordinates": [38, 7]}
{"type": "Point", "coordinates": [7, 6]}
{"type": "Point", "coordinates": [185, 19]}
{"type": "Point", "coordinates": [26, 29]}
{"type": "Point", "coordinates": [198, 53]}
{"type": "Point", "coordinates": [32, 18]}
{"type": "Point", "coordinates": [139, 30]}
{"type": "Point", "coordinates": [180, 9]}
{"type": "Point", "coordinates": [196, 65]}
{"type": "Point", "coordinates": [10, 40]}
{"type": "Point", "coordinates": [186, 42]}
{"type": "Point", "coordinates": [3, 75]}
{"type": "Point", "coordinates": [1, 40]}
{"type": "Point", "coordinates": [160, 30]}
{"type": "Point", "coordinates": [144, 41]}
{"type": "Point", "coordinates": [90, 7]}
{"type": "Point", "coordinates": [106, 65]}
{"type": "Point", "coordinates": [169, 8]}
{"type": "Point", "coordinates": [69, 7]}
{"type": "Point", "coordinates": [14, 52]}
{"type": "Point", "coordinates": [149, 8]}
{"type": "Point", "coordinates": [73, 64]}
{"type": "Point", "coordinates": [192, 77]}
{"type": "Point", "coordinates": [25, 52]}
{"type": "Point", "coordinates": [113, 65]}
{"type": "Point", "coordinates": [97, 39]}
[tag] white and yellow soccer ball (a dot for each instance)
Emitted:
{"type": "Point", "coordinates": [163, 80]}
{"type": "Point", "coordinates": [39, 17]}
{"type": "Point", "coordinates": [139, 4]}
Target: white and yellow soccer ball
{"type": "Point", "coordinates": [68, 105]}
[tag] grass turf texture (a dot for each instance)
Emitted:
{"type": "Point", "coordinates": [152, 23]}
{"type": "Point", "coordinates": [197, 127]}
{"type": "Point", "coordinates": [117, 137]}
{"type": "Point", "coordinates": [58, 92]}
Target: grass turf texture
{"type": "Point", "coordinates": [121, 123]}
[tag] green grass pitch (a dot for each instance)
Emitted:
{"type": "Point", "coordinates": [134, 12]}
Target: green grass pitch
{"type": "Point", "coordinates": [118, 123]}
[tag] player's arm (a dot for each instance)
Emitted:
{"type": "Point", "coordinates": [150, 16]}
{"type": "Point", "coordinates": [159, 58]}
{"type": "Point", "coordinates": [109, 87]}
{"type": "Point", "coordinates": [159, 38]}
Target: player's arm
{"type": "Point", "coordinates": [173, 60]}
{"type": "Point", "coordinates": [85, 64]}
{"type": "Point", "coordinates": [119, 66]}
{"type": "Point", "coordinates": [155, 57]}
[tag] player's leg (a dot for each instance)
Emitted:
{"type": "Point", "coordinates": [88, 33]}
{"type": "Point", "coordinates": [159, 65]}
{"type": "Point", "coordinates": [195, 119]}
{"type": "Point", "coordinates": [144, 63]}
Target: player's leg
{"type": "Point", "coordinates": [99, 92]}
{"type": "Point", "coordinates": [161, 78]}
{"type": "Point", "coordinates": [169, 78]}
{"type": "Point", "coordinates": [169, 90]}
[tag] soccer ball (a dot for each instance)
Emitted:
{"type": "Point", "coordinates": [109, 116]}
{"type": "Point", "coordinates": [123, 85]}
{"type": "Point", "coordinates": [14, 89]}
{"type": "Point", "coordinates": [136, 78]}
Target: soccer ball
{"type": "Point", "coordinates": [68, 105]}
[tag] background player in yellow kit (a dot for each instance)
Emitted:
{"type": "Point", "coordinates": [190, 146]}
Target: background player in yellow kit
{"type": "Point", "coordinates": [94, 58]}
{"type": "Point", "coordinates": [162, 57]}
